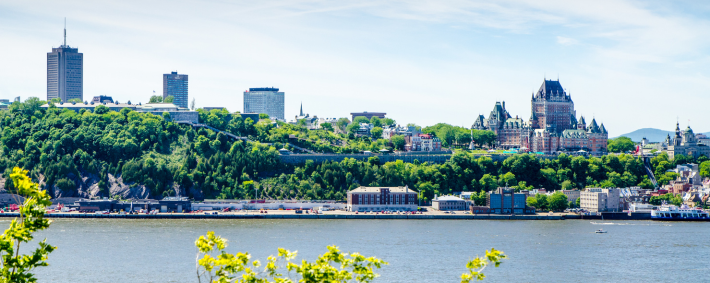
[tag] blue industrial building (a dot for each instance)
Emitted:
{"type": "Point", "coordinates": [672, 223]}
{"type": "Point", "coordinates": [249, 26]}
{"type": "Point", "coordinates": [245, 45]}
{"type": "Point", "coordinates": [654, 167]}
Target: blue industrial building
{"type": "Point", "coordinates": [506, 201]}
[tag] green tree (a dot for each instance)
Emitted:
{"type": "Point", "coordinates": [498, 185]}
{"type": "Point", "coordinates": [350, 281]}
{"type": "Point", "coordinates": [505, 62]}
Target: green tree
{"type": "Point", "coordinates": [101, 109]}
{"type": "Point", "coordinates": [376, 132]}
{"type": "Point", "coordinates": [539, 202]}
{"type": "Point", "coordinates": [169, 99]}
{"type": "Point", "coordinates": [388, 122]}
{"type": "Point", "coordinates": [75, 100]}
{"type": "Point", "coordinates": [375, 121]}
{"type": "Point", "coordinates": [480, 198]}
{"type": "Point", "coordinates": [327, 126]}
{"type": "Point", "coordinates": [360, 119]}
{"type": "Point", "coordinates": [488, 183]}
{"type": "Point", "coordinates": [557, 201]}
{"type": "Point", "coordinates": [263, 116]}
{"type": "Point", "coordinates": [705, 169]}
{"type": "Point", "coordinates": [216, 265]}
{"type": "Point", "coordinates": [156, 99]}
{"type": "Point", "coordinates": [15, 266]}
{"type": "Point", "coordinates": [398, 142]}
{"type": "Point", "coordinates": [477, 265]}
{"type": "Point", "coordinates": [342, 123]}
{"type": "Point", "coordinates": [620, 144]}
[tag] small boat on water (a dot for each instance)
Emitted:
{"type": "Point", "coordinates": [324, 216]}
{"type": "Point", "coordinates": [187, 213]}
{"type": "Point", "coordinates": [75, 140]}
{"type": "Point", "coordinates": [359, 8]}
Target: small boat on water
{"type": "Point", "coordinates": [668, 212]}
{"type": "Point", "coordinates": [600, 231]}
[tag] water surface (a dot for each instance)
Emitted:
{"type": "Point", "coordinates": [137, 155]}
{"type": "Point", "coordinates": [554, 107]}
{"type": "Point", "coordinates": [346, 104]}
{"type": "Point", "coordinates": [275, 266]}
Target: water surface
{"type": "Point", "coordinates": [102, 250]}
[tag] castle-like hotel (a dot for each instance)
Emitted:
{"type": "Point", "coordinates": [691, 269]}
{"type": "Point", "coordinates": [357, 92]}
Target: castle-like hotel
{"type": "Point", "coordinates": [553, 126]}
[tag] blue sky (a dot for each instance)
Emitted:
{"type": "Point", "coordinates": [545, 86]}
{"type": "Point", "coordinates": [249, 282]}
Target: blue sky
{"type": "Point", "coordinates": [629, 64]}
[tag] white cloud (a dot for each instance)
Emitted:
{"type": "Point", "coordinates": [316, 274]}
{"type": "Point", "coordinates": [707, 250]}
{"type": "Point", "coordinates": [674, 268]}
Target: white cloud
{"type": "Point", "coordinates": [566, 40]}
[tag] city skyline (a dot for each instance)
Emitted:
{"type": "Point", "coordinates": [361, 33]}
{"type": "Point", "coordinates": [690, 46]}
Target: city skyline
{"type": "Point", "coordinates": [640, 64]}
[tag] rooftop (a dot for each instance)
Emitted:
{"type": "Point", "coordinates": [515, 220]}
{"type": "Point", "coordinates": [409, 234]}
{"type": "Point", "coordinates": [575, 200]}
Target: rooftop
{"type": "Point", "coordinates": [263, 89]}
{"type": "Point", "coordinates": [378, 189]}
{"type": "Point", "coordinates": [441, 198]}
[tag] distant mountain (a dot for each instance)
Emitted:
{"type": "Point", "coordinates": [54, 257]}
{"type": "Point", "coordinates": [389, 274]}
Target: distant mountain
{"type": "Point", "coordinates": [651, 134]}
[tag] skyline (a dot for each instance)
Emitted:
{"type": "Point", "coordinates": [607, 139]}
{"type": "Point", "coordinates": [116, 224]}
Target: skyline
{"type": "Point", "coordinates": [630, 68]}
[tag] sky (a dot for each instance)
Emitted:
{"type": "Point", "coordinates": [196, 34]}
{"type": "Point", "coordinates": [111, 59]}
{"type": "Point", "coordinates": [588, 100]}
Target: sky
{"type": "Point", "coordinates": [628, 64]}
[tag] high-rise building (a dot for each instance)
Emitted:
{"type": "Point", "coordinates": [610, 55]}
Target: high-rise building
{"type": "Point", "coordinates": [65, 72]}
{"type": "Point", "coordinates": [175, 85]}
{"type": "Point", "coordinates": [265, 100]}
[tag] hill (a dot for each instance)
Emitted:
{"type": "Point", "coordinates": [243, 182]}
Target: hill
{"type": "Point", "coordinates": [651, 134]}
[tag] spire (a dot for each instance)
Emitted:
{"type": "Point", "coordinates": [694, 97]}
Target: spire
{"type": "Point", "coordinates": [301, 109]}
{"type": "Point", "coordinates": [65, 32]}
{"type": "Point", "coordinates": [593, 127]}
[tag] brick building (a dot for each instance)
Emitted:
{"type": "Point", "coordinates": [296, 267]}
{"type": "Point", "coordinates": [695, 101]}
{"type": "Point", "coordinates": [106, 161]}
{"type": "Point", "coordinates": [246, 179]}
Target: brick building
{"type": "Point", "coordinates": [382, 198]}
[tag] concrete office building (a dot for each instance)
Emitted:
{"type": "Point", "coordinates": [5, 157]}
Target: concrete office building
{"type": "Point", "coordinates": [600, 200]}
{"type": "Point", "coordinates": [572, 195]}
{"type": "Point", "coordinates": [65, 72]}
{"type": "Point", "coordinates": [265, 100]}
{"type": "Point", "coordinates": [175, 85]}
{"type": "Point", "coordinates": [448, 203]}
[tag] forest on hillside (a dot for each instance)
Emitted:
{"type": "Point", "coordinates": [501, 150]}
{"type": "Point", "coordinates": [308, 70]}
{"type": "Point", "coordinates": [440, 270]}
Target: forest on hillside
{"type": "Point", "coordinates": [95, 153]}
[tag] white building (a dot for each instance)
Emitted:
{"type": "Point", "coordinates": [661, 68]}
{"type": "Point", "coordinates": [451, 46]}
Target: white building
{"type": "Point", "coordinates": [265, 100]}
{"type": "Point", "coordinates": [447, 203]}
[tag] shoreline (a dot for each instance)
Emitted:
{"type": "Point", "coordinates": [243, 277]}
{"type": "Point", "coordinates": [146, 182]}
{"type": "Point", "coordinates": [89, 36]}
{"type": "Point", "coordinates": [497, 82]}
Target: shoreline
{"type": "Point", "coordinates": [618, 216]}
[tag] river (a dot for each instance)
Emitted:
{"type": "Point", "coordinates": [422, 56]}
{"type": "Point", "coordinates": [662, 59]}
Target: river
{"type": "Point", "coordinates": [102, 250]}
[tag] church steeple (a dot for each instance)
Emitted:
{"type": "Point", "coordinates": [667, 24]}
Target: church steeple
{"type": "Point", "coordinates": [301, 114]}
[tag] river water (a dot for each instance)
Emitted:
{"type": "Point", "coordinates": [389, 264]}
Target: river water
{"type": "Point", "coordinates": [101, 250]}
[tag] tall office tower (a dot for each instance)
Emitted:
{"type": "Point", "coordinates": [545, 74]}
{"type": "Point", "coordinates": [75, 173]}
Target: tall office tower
{"type": "Point", "coordinates": [266, 100]}
{"type": "Point", "coordinates": [176, 85]}
{"type": "Point", "coordinates": [65, 72]}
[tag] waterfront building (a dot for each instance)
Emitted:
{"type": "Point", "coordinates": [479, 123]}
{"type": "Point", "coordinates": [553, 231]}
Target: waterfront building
{"type": "Point", "coordinates": [65, 72]}
{"type": "Point", "coordinates": [176, 113]}
{"type": "Point", "coordinates": [686, 143]}
{"type": "Point", "coordinates": [176, 85]}
{"type": "Point", "coordinates": [450, 203]}
{"type": "Point", "coordinates": [572, 195]}
{"type": "Point", "coordinates": [265, 100]}
{"type": "Point", "coordinates": [600, 200]}
{"type": "Point", "coordinates": [552, 126]}
{"type": "Point", "coordinates": [368, 115]}
{"type": "Point", "coordinates": [507, 201]}
{"type": "Point", "coordinates": [102, 99]}
{"type": "Point", "coordinates": [382, 198]}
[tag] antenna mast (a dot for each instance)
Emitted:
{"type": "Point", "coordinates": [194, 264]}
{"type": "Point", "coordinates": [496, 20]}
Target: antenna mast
{"type": "Point", "coordinates": [65, 32]}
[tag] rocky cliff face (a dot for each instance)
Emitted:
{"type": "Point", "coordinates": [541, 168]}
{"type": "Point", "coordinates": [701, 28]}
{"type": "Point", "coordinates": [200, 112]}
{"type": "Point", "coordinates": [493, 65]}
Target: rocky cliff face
{"type": "Point", "coordinates": [87, 186]}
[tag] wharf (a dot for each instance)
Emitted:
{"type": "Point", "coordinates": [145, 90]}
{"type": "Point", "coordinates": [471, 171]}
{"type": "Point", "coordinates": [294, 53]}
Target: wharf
{"type": "Point", "coordinates": [297, 216]}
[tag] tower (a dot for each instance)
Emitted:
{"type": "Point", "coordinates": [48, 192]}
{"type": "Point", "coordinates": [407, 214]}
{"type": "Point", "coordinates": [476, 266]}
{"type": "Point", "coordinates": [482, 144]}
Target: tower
{"type": "Point", "coordinates": [65, 72]}
{"type": "Point", "coordinates": [552, 107]}
{"type": "Point", "coordinates": [175, 85]}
